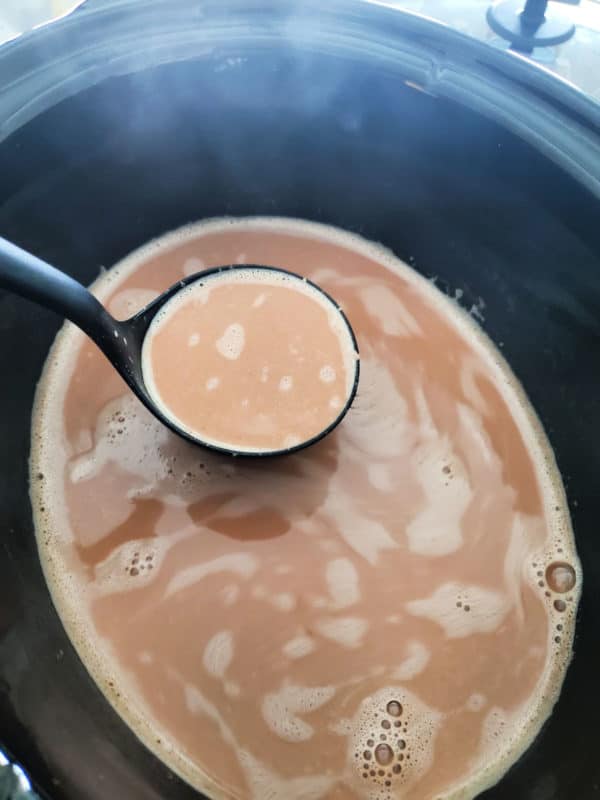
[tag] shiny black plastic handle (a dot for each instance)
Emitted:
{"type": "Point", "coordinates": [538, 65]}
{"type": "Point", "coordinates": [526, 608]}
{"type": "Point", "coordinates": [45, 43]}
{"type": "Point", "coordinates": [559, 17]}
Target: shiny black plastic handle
{"type": "Point", "coordinates": [30, 277]}
{"type": "Point", "coordinates": [120, 341]}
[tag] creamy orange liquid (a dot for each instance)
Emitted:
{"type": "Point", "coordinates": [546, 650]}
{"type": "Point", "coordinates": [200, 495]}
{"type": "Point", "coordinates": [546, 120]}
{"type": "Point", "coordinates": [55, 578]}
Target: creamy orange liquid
{"type": "Point", "coordinates": [250, 360]}
{"type": "Point", "coordinates": [388, 614]}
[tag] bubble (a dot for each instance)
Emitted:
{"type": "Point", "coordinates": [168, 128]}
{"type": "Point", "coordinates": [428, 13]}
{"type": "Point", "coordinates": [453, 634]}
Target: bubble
{"type": "Point", "coordinates": [396, 769]}
{"type": "Point", "coordinates": [561, 577]}
{"type": "Point", "coordinates": [401, 744]}
{"type": "Point", "coordinates": [367, 755]}
{"type": "Point", "coordinates": [394, 709]}
{"type": "Point", "coordinates": [370, 742]}
{"type": "Point", "coordinates": [385, 723]}
{"type": "Point", "coordinates": [560, 605]}
{"type": "Point", "coordinates": [384, 754]}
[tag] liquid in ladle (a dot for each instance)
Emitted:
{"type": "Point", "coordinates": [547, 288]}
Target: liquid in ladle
{"type": "Point", "coordinates": [251, 360]}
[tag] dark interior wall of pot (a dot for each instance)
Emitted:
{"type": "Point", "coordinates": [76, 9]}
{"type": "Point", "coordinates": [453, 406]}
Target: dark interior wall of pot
{"type": "Point", "coordinates": [453, 194]}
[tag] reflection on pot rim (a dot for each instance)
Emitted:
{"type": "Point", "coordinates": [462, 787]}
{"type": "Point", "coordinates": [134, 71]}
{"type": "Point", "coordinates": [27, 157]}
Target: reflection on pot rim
{"type": "Point", "coordinates": [38, 19]}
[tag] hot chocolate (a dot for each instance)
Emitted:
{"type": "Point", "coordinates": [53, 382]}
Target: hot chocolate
{"type": "Point", "coordinates": [387, 614]}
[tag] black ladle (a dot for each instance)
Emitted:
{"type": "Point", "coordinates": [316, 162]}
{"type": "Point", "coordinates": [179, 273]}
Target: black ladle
{"type": "Point", "coordinates": [121, 341]}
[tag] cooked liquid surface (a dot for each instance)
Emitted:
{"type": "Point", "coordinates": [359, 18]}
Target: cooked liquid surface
{"type": "Point", "coordinates": [250, 360]}
{"type": "Point", "coordinates": [388, 614]}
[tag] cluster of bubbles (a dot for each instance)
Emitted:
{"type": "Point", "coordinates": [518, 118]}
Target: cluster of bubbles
{"type": "Point", "coordinates": [139, 564]}
{"type": "Point", "coordinates": [448, 474]}
{"type": "Point", "coordinates": [191, 476]}
{"type": "Point", "coordinates": [558, 579]}
{"type": "Point", "coordinates": [117, 426]}
{"type": "Point", "coordinates": [386, 751]}
{"type": "Point", "coordinates": [462, 602]}
{"type": "Point", "coordinates": [128, 433]}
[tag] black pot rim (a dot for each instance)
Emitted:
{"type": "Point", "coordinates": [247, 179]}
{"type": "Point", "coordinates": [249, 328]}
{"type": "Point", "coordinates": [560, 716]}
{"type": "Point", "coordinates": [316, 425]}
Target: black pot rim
{"type": "Point", "coordinates": [103, 38]}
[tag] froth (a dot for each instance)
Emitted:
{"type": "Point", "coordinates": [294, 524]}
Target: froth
{"type": "Point", "coordinates": [218, 654]}
{"type": "Point", "coordinates": [345, 631]}
{"type": "Point", "coordinates": [299, 647]}
{"type": "Point", "coordinates": [134, 564]}
{"type": "Point", "coordinates": [241, 564]}
{"type": "Point", "coordinates": [283, 710]}
{"type": "Point", "coordinates": [393, 316]}
{"type": "Point", "coordinates": [327, 374]}
{"type": "Point", "coordinates": [126, 433]}
{"type": "Point", "coordinates": [231, 344]}
{"type": "Point", "coordinates": [392, 743]}
{"type": "Point", "coordinates": [462, 610]}
{"type": "Point", "coordinates": [415, 661]}
{"type": "Point", "coordinates": [342, 579]}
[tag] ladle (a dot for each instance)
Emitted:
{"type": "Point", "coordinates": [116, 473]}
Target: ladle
{"type": "Point", "coordinates": [122, 341]}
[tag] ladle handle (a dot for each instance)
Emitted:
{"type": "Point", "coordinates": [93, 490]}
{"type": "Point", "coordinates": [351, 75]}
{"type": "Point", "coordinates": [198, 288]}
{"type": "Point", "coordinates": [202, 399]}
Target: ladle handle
{"type": "Point", "coordinates": [30, 277]}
